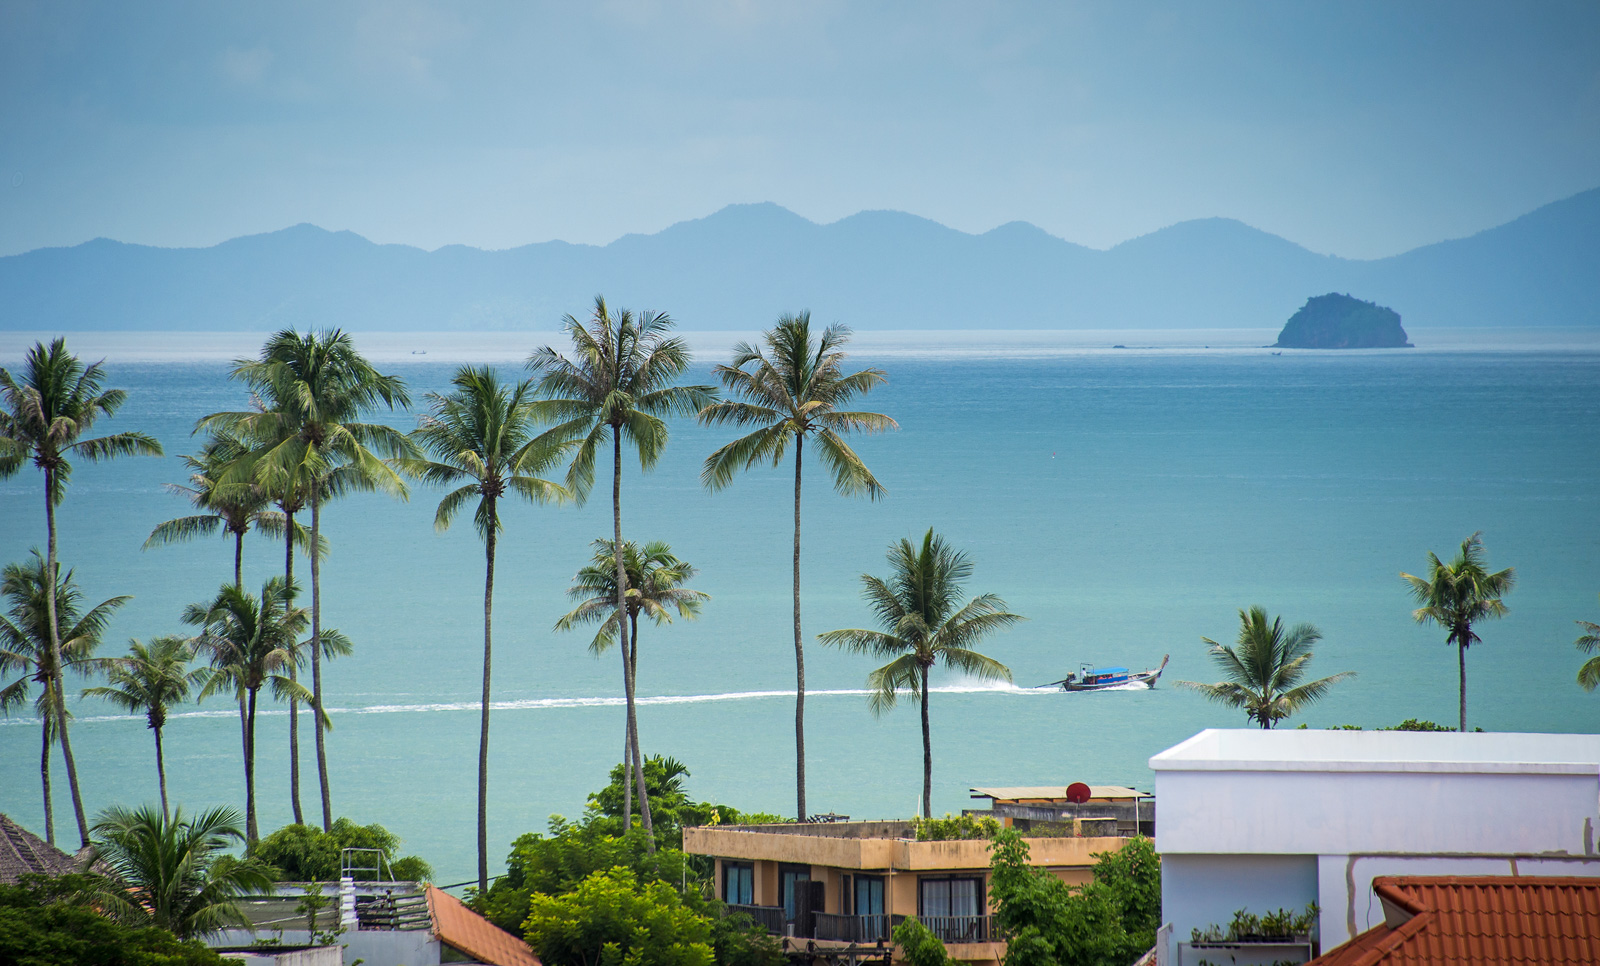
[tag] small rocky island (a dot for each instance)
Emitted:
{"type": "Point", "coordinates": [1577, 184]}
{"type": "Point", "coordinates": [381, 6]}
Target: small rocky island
{"type": "Point", "coordinates": [1336, 321]}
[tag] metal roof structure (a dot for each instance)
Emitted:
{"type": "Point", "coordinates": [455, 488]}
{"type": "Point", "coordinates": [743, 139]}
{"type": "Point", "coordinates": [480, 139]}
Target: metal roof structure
{"type": "Point", "coordinates": [1057, 793]}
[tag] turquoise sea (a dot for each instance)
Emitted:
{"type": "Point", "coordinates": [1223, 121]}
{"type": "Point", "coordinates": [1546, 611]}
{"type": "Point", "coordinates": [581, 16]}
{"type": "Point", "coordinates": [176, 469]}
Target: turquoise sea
{"type": "Point", "coordinates": [1128, 501]}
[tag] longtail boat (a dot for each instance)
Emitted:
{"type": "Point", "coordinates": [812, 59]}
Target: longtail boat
{"type": "Point", "coordinates": [1100, 678]}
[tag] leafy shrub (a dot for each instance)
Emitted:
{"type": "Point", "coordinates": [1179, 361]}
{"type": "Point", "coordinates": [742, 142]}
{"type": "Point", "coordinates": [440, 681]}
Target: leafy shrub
{"type": "Point", "coordinates": [44, 923]}
{"type": "Point", "coordinates": [738, 940]}
{"type": "Point", "coordinates": [1247, 926]}
{"type": "Point", "coordinates": [303, 853]}
{"type": "Point", "coordinates": [952, 827]}
{"type": "Point", "coordinates": [1050, 924]}
{"type": "Point", "coordinates": [612, 919]}
{"type": "Point", "coordinates": [918, 945]}
{"type": "Point", "coordinates": [1412, 724]}
{"type": "Point", "coordinates": [556, 863]}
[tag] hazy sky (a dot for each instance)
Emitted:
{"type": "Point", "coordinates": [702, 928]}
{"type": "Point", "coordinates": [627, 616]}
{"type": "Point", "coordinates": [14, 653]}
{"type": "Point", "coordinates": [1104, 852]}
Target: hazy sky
{"type": "Point", "coordinates": [1360, 129]}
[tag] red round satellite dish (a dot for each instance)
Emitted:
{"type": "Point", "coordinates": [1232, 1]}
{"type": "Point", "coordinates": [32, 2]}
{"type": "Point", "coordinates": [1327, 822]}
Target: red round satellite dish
{"type": "Point", "coordinates": [1077, 793]}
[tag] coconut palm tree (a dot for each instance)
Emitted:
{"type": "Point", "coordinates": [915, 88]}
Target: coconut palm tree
{"type": "Point", "coordinates": [229, 509]}
{"type": "Point", "coordinates": [250, 641]}
{"type": "Point", "coordinates": [1264, 669]}
{"type": "Point", "coordinates": [146, 681]}
{"type": "Point", "coordinates": [655, 589]}
{"type": "Point", "coordinates": [483, 444]}
{"type": "Point", "coordinates": [617, 383]}
{"type": "Point", "coordinates": [1588, 643]}
{"type": "Point", "coordinates": [924, 623]}
{"type": "Point", "coordinates": [164, 873]}
{"type": "Point", "coordinates": [313, 390]}
{"type": "Point", "coordinates": [45, 410]}
{"type": "Point", "coordinates": [26, 646]}
{"type": "Point", "coordinates": [1459, 594]}
{"type": "Point", "coordinates": [793, 390]}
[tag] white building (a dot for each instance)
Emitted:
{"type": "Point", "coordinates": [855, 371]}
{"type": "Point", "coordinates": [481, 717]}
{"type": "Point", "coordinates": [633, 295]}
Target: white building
{"type": "Point", "coordinates": [1260, 820]}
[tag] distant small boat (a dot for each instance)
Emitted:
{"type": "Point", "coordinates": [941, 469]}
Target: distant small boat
{"type": "Point", "coordinates": [1099, 679]}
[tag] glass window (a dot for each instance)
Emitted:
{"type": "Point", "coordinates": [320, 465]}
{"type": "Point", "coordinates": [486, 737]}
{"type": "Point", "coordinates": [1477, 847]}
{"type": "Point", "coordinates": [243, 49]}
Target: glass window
{"type": "Point", "coordinates": [951, 897]}
{"type": "Point", "coordinates": [791, 885]}
{"type": "Point", "coordinates": [738, 883]}
{"type": "Point", "coordinates": [869, 895]}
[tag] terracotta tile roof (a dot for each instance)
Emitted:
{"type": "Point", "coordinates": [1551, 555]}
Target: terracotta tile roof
{"type": "Point", "coordinates": [22, 853]}
{"type": "Point", "coordinates": [459, 927]}
{"type": "Point", "coordinates": [1460, 920]}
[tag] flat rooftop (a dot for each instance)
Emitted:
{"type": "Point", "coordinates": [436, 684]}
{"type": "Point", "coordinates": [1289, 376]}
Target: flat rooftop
{"type": "Point", "coordinates": [1255, 749]}
{"type": "Point", "coordinates": [1054, 793]}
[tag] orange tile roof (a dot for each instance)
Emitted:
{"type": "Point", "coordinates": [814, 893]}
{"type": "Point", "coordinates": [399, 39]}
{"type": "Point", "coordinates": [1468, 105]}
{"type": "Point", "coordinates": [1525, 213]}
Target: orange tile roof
{"type": "Point", "coordinates": [457, 926]}
{"type": "Point", "coordinates": [1461, 920]}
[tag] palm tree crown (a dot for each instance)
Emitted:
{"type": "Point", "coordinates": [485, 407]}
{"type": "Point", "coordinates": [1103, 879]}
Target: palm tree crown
{"type": "Point", "coordinates": [655, 590]}
{"type": "Point", "coordinates": [482, 439]}
{"type": "Point", "coordinates": [149, 679]}
{"type": "Point", "coordinates": [1264, 669]}
{"type": "Point", "coordinates": [924, 623]}
{"type": "Point", "coordinates": [1588, 642]}
{"type": "Point", "coordinates": [793, 390]}
{"type": "Point", "coordinates": [229, 509]}
{"type": "Point", "coordinates": [25, 647]}
{"type": "Point", "coordinates": [1459, 594]}
{"type": "Point", "coordinates": [162, 872]}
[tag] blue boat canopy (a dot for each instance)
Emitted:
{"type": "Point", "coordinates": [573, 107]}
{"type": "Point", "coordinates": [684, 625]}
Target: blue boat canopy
{"type": "Point", "coordinates": [1107, 670]}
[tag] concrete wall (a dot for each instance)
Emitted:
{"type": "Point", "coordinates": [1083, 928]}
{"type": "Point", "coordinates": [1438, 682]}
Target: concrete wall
{"type": "Point", "coordinates": [1343, 807]}
{"type": "Point", "coordinates": [1199, 890]}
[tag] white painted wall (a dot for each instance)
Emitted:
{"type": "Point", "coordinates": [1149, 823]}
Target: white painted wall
{"type": "Point", "coordinates": [1343, 807]}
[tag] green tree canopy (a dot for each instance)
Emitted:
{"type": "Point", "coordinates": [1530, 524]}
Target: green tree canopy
{"type": "Point", "coordinates": [1106, 923]}
{"type": "Point", "coordinates": [48, 922]}
{"type": "Point", "coordinates": [612, 919]}
{"type": "Point", "coordinates": [302, 853]}
{"type": "Point", "coordinates": [1459, 594]}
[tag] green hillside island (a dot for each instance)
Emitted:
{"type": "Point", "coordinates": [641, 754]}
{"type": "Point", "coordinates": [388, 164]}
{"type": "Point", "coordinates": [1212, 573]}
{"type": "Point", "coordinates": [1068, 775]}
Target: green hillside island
{"type": "Point", "coordinates": [1336, 321]}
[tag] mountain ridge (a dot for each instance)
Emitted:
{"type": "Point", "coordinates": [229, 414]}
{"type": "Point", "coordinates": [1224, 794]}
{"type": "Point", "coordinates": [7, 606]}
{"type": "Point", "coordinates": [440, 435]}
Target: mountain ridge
{"type": "Point", "coordinates": [744, 264]}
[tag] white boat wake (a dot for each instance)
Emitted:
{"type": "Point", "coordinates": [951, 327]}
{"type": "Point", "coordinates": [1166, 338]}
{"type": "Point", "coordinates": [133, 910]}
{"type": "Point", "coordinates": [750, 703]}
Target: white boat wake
{"type": "Point", "coordinates": [537, 704]}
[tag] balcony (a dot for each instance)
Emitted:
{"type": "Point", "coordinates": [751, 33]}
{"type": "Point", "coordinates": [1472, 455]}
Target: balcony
{"type": "Point", "coordinates": [770, 918]}
{"type": "Point", "coordinates": [961, 929]}
{"type": "Point", "coordinates": [854, 929]}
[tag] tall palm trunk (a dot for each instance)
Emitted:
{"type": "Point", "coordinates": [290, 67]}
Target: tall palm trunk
{"type": "Point", "coordinates": [1461, 654]}
{"type": "Point", "coordinates": [59, 698]}
{"type": "Point", "coordinates": [244, 714]}
{"type": "Point", "coordinates": [294, 706]}
{"type": "Point", "coordinates": [44, 779]}
{"type": "Point", "coordinates": [483, 727]}
{"type": "Point", "coordinates": [316, 656]}
{"type": "Point", "coordinates": [799, 655]}
{"type": "Point", "coordinates": [250, 831]}
{"type": "Point", "coordinates": [632, 726]}
{"type": "Point", "coordinates": [161, 772]}
{"type": "Point", "coordinates": [927, 752]}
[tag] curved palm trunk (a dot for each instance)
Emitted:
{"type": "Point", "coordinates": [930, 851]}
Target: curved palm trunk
{"type": "Point", "coordinates": [799, 655]}
{"type": "Point", "coordinates": [1461, 653]}
{"type": "Point", "coordinates": [44, 779]}
{"type": "Point", "coordinates": [250, 831]}
{"type": "Point", "coordinates": [55, 686]}
{"type": "Point", "coordinates": [161, 773]}
{"type": "Point", "coordinates": [622, 626]}
{"type": "Point", "coordinates": [627, 752]}
{"type": "Point", "coordinates": [244, 714]}
{"type": "Point", "coordinates": [294, 705]}
{"type": "Point", "coordinates": [316, 657]}
{"type": "Point", "coordinates": [633, 729]}
{"type": "Point", "coordinates": [927, 753]}
{"type": "Point", "coordinates": [483, 728]}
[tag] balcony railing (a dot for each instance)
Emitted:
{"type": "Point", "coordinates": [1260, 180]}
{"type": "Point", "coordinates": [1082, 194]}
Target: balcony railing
{"type": "Point", "coordinates": [960, 929]}
{"type": "Point", "coordinates": [769, 917]}
{"type": "Point", "coordinates": [854, 929]}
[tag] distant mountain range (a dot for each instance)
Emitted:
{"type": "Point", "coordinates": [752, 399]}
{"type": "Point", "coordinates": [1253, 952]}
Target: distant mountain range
{"type": "Point", "coordinates": [746, 264]}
